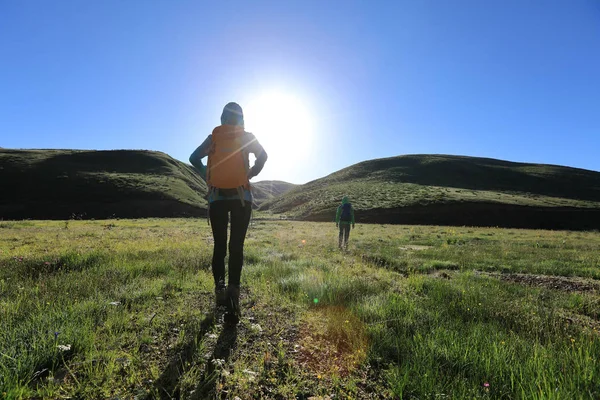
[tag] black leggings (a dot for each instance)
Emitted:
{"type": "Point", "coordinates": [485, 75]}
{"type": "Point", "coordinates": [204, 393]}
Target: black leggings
{"type": "Point", "coordinates": [344, 233]}
{"type": "Point", "coordinates": [219, 218]}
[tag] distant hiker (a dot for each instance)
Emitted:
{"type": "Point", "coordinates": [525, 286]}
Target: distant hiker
{"type": "Point", "coordinates": [344, 217]}
{"type": "Point", "coordinates": [228, 175]}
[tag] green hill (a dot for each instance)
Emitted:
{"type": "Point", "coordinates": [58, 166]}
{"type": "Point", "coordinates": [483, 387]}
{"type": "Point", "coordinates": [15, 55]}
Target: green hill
{"type": "Point", "coordinates": [453, 190]}
{"type": "Point", "coordinates": [61, 184]}
{"type": "Point", "coordinates": [414, 189]}
{"type": "Point", "coordinates": [266, 190]}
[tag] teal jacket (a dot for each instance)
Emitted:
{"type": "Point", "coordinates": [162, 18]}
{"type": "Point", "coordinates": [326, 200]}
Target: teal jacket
{"type": "Point", "coordinates": [338, 214]}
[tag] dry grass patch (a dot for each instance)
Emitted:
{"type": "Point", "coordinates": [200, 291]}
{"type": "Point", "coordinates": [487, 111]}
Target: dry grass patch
{"type": "Point", "coordinates": [332, 341]}
{"type": "Point", "coordinates": [414, 247]}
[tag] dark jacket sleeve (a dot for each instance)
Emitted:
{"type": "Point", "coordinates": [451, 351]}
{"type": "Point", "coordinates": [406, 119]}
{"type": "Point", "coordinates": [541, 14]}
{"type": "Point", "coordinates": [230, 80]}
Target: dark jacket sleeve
{"type": "Point", "coordinates": [199, 154]}
{"type": "Point", "coordinates": [259, 152]}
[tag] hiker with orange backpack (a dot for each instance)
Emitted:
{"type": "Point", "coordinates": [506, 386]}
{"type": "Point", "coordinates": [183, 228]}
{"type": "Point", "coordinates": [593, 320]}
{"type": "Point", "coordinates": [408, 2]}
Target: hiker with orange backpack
{"type": "Point", "coordinates": [344, 217]}
{"type": "Point", "coordinates": [228, 175]}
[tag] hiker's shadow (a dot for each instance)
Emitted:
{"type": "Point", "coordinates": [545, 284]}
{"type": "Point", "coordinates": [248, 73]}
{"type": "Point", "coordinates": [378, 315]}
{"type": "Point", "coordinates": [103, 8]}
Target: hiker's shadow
{"type": "Point", "coordinates": [167, 385]}
{"type": "Point", "coordinates": [226, 343]}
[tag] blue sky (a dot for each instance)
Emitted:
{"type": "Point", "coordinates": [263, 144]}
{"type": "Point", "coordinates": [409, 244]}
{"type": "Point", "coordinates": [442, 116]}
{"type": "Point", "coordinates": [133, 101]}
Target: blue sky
{"type": "Point", "coordinates": [516, 80]}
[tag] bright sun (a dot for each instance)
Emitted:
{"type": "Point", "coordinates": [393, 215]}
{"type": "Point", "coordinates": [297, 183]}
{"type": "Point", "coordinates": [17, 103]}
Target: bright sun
{"type": "Point", "coordinates": [283, 125]}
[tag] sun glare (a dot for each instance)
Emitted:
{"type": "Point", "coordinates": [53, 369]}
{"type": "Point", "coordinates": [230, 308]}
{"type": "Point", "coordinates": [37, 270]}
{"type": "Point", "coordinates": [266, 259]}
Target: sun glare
{"type": "Point", "coordinates": [283, 125]}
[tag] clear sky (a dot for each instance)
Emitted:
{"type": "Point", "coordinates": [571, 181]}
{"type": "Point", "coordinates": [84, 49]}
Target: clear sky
{"type": "Point", "coordinates": [328, 83]}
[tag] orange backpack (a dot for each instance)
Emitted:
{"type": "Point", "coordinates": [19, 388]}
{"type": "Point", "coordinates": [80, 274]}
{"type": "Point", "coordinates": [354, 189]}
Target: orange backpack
{"type": "Point", "coordinates": [227, 168]}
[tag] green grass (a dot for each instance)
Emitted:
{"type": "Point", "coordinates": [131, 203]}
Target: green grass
{"type": "Point", "coordinates": [122, 308]}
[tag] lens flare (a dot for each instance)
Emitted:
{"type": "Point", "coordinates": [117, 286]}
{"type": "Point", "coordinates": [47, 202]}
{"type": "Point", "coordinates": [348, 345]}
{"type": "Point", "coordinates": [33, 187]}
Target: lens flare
{"type": "Point", "coordinates": [284, 124]}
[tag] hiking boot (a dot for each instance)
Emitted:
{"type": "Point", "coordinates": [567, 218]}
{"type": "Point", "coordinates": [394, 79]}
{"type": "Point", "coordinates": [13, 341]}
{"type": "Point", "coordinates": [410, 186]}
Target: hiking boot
{"type": "Point", "coordinates": [221, 296]}
{"type": "Point", "coordinates": [233, 313]}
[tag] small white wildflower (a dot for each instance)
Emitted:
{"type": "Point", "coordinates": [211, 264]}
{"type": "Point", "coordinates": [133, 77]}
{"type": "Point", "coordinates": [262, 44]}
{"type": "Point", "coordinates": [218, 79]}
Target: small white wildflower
{"type": "Point", "coordinates": [251, 374]}
{"type": "Point", "coordinates": [64, 347]}
{"type": "Point", "coordinates": [218, 362]}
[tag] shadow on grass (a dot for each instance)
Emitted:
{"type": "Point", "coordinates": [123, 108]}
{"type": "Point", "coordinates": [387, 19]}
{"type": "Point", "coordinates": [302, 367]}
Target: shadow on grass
{"type": "Point", "coordinates": [226, 343]}
{"type": "Point", "coordinates": [167, 385]}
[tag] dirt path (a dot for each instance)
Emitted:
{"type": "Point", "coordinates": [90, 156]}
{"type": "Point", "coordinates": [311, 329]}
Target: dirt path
{"type": "Point", "coordinates": [563, 283]}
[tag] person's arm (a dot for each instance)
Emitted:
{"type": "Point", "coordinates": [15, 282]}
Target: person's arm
{"type": "Point", "coordinates": [199, 154]}
{"type": "Point", "coordinates": [259, 163]}
{"type": "Point", "coordinates": [259, 152]}
{"type": "Point", "coordinates": [337, 215]}
{"type": "Point", "coordinates": [352, 214]}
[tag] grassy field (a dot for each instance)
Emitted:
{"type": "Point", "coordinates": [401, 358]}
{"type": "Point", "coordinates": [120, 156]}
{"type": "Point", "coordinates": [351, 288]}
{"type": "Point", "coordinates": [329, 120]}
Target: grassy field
{"type": "Point", "coordinates": [123, 309]}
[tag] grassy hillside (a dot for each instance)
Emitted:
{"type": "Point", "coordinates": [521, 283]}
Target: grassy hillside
{"type": "Point", "coordinates": [266, 190]}
{"type": "Point", "coordinates": [61, 184]}
{"type": "Point", "coordinates": [124, 309]}
{"type": "Point", "coordinates": [451, 190]}
{"type": "Point", "coordinates": [416, 189]}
